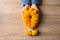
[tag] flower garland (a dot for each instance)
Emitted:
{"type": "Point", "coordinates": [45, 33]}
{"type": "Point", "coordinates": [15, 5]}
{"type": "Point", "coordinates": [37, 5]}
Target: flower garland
{"type": "Point", "coordinates": [30, 19]}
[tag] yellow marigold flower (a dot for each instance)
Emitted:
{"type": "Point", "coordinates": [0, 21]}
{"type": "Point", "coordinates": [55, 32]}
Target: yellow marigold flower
{"type": "Point", "coordinates": [28, 33]}
{"type": "Point", "coordinates": [34, 32]}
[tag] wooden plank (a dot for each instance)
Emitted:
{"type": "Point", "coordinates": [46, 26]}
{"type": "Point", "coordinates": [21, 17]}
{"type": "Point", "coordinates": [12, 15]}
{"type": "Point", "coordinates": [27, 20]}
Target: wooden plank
{"type": "Point", "coordinates": [51, 2]}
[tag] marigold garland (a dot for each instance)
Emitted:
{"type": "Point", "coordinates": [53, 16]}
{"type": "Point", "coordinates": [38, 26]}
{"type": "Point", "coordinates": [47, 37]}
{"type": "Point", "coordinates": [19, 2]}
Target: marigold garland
{"type": "Point", "coordinates": [30, 19]}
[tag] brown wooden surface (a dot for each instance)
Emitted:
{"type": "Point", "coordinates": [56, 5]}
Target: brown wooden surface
{"type": "Point", "coordinates": [12, 28]}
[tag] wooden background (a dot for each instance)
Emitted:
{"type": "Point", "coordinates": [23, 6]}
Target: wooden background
{"type": "Point", "coordinates": [12, 28]}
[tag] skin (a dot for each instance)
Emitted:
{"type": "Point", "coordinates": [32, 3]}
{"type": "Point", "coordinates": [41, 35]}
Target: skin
{"type": "Point", "coordinates": [34, 6]}
{"type": "Point", "coordinates": [26, 7]}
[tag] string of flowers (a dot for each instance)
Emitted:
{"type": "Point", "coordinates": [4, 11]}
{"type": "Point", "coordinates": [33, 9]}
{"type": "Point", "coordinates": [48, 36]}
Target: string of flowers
{"type": "Point", "coordinates": [30, 19]}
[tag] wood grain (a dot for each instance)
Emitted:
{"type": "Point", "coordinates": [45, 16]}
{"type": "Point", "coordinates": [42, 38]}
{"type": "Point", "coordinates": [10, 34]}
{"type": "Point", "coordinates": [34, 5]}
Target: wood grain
{"type": "Point", "coordinates": [12, 27]}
